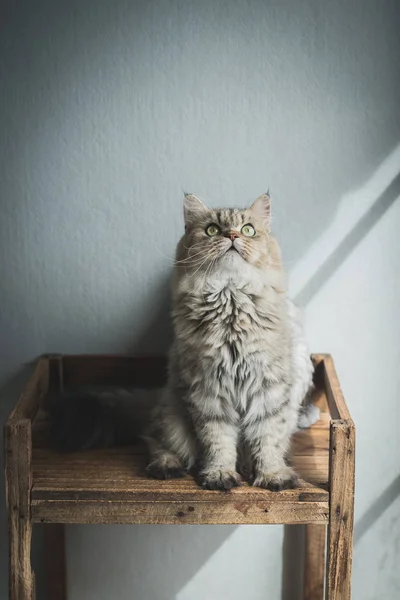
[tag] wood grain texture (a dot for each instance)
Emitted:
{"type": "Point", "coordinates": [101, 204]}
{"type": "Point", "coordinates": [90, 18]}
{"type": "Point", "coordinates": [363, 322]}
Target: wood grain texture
{"type": "Point", "coordinates": [33, 586]}
{"type": "Point", "coordinates": [341, 511]}
{"type": "Point", "coordinates": [314, 564]}
{"type": "Point", "coordinates": [55, 562]}
{"type": "Point", "coordinates": [17, 439]}
{"type": "Point", "coordinates": [226, 509]}
{"type": "Point", "coordinates": [118, 474]}
{"type": "Point", "coordinates": [337, 404]}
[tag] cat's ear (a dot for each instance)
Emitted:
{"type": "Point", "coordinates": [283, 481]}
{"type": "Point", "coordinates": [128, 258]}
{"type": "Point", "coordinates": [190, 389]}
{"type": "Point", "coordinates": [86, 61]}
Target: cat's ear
{"type": "Point", "coordinates": [193, 209]}
{"type": "Point", "coordinates": [261, 208]}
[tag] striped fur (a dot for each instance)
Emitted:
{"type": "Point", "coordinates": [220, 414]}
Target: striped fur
{"type": "Point", "coordinates": [239, 367]}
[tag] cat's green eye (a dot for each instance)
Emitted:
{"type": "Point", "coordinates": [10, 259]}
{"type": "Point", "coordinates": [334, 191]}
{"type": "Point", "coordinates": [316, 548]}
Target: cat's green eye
{"type": "Point", "coordinates": [248, 230]}
{"type": "Point", "coordinates": [212, 230]}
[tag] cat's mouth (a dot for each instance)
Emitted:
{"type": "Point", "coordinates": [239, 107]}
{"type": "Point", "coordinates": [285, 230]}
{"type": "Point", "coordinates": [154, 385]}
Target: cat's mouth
{"type": "Point", "coordinates": [232, 251]}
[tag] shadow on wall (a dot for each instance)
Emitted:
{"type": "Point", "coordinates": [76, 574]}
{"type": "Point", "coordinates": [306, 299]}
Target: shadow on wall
{"type": "Point", "coordinates": [344, 249]}
{"type": "Point", "coordinates": [166, 556]}
{"type": "Point", "coordinates": [154, 336]}
{"type": "Point", "coordinates": [377, 508]}
{"type": "Point", "coordinates": [293, 562]}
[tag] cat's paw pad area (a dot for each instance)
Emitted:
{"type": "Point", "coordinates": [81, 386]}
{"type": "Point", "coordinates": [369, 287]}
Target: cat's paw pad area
{"type": "Point", "coordinates": [219, 479]}
{"type": "Point", "coordinates": [166, 469]}
{"type": "Point", "coordinates": [277, 480]}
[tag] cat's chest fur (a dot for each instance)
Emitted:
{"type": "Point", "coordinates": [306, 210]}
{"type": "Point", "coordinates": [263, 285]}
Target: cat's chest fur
{"type": "Point", "coordinates": [230, 335]}
{"type": "Point", "coordinates": [229, 311]}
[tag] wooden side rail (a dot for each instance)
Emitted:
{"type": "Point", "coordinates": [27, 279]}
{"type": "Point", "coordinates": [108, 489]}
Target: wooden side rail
{"type": "Point", "coordinates": [34, 394]}
{"type": "Point", "coordinates": [18, 476]}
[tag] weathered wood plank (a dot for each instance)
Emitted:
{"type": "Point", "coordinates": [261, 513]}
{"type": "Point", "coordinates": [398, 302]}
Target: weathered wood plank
{"type": "Point", "coordinates": [55, 562]}
{"type": "Point", "coordinates": [120, 475]}
{"type": "Point", "coordinates": [341, 511]}
{"type": "Point", "coordinates": [314, 566]}
{"type": "Point", "coordinates": [18, 475]}
{"type": "Point", "coordinates": [236, 511]}
{"type": "Point", "coordinates": [337, 404]}
{"type": "Point", "coordinates": [33, 394]}
{"type": "Point", "coordinates": [191, 493]}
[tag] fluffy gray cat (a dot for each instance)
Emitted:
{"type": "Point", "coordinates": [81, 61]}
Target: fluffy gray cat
{"type": "Point", "coordinates": [239, 371]}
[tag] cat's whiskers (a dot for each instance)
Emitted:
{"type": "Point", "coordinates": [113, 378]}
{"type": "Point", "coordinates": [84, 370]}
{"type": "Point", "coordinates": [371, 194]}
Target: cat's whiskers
{"type": "Point", "coordinates": [209, 255]}
{"type": "Point", "coordinates": [190, 257]}
{"type": "Point", "coordinates": [194, 262]}
{"type": "Point", "coordinates": [184, 260]}
{"type": "Point", "coordinates": [193, 246]}
{"type": "Point", "coordinates": [165, 255]}
{"type": "Point", "coordinates": [206, 274]}
{"type": "Point", "coordinates": [198, 268]}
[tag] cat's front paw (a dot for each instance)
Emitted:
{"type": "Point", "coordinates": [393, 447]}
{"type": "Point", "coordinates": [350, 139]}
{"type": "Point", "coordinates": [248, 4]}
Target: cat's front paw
{"type": "Point", "coordinates": [168, 467]}
{"type": "Point", "coordinates": [283, 478]}
{"type": "Point", "coordinates": [219, 479]}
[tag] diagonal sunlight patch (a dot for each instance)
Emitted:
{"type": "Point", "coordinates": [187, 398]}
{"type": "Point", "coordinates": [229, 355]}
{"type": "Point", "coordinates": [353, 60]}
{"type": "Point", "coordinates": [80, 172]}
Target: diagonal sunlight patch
{"type": "Point", "coordinates": [356, 215]}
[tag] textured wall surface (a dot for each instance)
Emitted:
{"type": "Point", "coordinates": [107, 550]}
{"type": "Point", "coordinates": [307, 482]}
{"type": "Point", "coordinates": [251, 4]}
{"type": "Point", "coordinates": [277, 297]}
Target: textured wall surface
{"type": "Point", "coordinates": [109, 109]}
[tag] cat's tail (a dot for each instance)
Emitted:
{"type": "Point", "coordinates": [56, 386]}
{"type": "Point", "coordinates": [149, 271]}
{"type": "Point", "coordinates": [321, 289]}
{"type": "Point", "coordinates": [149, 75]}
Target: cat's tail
{"type": "Point", "coordinates": [308, 415]}
{"type": "Point", "coordinates": [303, 387]}
{"type": "Point", "coordinates": [92, 418]}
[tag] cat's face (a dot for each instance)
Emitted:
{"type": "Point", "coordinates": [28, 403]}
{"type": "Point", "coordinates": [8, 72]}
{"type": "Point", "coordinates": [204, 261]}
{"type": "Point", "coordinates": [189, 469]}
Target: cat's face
{"type": "Point", "coordinates": [225, 236]}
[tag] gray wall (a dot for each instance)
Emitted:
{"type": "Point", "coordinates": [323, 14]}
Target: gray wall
{"type": "Point", "coordinates": [108, 110]}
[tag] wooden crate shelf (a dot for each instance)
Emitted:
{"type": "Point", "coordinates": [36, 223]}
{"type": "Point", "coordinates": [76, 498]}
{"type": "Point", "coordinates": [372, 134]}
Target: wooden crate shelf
{"type": "Point", "coordinates": [110, 485]}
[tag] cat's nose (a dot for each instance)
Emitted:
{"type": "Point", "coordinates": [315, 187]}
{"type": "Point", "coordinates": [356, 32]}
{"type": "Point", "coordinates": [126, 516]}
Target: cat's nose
{"type": "Point", "coordinates": [232, 235]}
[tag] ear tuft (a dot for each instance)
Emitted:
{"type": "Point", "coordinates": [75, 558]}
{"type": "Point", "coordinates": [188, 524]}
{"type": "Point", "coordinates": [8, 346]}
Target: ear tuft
{"type": "Point", "coordinates": [262, 208]}
{"type": "Point", "coordinates": [193, 208]}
